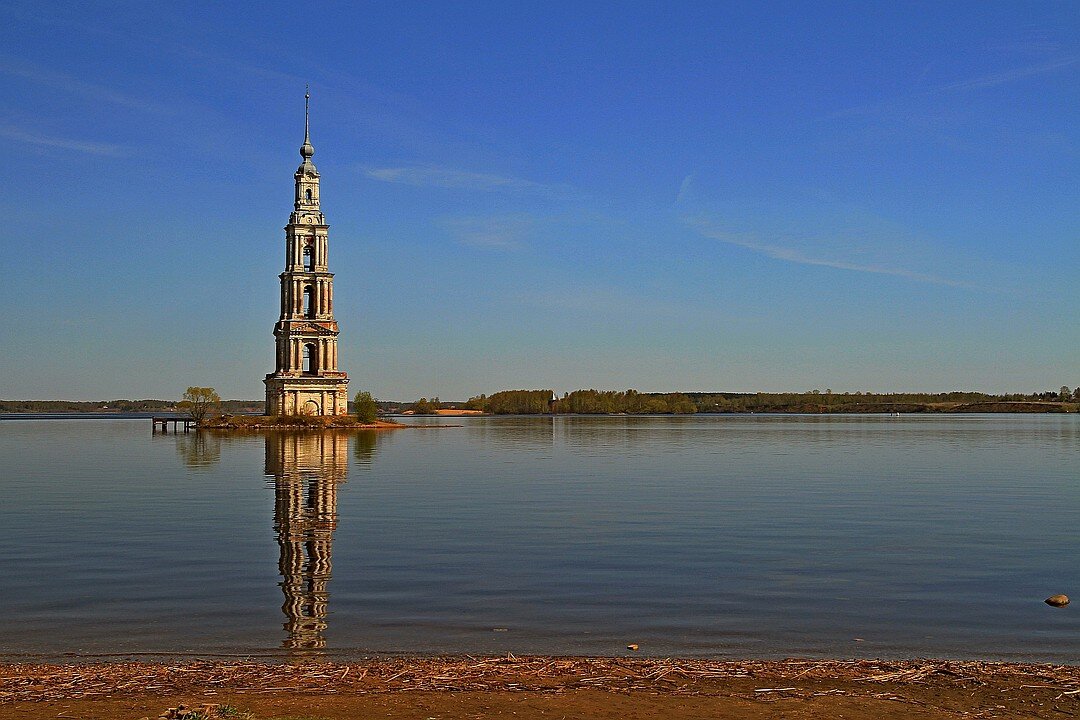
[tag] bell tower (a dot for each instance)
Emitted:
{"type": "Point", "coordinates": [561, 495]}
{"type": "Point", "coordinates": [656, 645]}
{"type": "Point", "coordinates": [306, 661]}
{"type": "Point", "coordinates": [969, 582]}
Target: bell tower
{"type": "Point", "coordinates": [306, 379]}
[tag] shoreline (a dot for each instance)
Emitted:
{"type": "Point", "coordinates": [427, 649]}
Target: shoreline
{"type": "Point", "coordinates": [543, 686]}
{"type": "Point", "coordinates": [981, 408]}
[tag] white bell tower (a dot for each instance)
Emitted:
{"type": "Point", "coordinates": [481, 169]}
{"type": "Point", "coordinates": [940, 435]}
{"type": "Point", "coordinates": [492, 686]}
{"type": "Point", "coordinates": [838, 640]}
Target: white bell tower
{"type": "Point", "coordinates": [306, 379]}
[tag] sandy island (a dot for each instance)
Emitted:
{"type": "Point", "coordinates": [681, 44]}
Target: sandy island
{"type": "Point", "coordinates": [539, 687]}
{"type": "Point", "coordinates": [319, 422]}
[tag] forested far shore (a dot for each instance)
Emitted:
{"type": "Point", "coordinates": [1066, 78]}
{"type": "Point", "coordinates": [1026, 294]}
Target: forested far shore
{"type": "Point", "coordinates": [118, 406]}
{"type": "Point", "coordinates": [632, 402]}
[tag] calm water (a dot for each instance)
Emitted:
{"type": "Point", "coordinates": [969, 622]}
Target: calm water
{"type": "Point", "coordinates": [722, 536]}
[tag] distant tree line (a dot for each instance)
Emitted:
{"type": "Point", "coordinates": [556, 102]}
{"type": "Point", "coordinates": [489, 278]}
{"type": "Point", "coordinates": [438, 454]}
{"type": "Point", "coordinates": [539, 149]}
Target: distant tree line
{"type": "Point", "coordinates": [816, 401]}
{"type": "Point", "coordinates": [587, 402]}
{"type": "Point", "coordinates": [119, 406]}
{"type": "Point", "coordinates": [592, 402]}
{"type": "Point", "coordinates": [513, 402]}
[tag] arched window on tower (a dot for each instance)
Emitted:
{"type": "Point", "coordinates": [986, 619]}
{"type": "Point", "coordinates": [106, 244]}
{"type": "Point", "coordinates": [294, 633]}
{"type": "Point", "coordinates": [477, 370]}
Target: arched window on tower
{"type": "Point", "coordinates": [309, 301]}
{"type": "Point", "coordinates": [309, 258]}
{"type": "Point", "coordinates": [308, 194]}
{"type": "Point", "coordinates": [311, 359]}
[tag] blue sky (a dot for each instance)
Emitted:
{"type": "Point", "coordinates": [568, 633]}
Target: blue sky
{"type": "Point", "coordinates": [664, 196]}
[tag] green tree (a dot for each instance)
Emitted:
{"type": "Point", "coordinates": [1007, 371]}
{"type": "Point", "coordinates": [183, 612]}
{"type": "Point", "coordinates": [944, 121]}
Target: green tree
{"type": "Point", "coordinates": [1065, 393]}
{"type": "Point", "coordinates": [199, 402]}
{"type": "Point", "coordinates": [367, 409]}
{"type": "Point", "coordinates": [423, 406]}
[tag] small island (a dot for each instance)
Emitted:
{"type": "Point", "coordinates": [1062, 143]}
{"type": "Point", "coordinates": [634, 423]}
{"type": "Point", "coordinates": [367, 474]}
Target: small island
{"type": "Point", "coordinates": [295, 422]}
{"type": "Point", "coordinates": [203, 407]}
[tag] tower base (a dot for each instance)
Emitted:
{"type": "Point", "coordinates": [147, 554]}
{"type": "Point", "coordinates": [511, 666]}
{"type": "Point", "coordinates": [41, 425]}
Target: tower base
{"type": "Point", "coordinates": [325, 394]}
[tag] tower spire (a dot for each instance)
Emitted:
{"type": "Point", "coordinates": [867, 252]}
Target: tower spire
{"type": "Point", "coordinates": [306, 150]}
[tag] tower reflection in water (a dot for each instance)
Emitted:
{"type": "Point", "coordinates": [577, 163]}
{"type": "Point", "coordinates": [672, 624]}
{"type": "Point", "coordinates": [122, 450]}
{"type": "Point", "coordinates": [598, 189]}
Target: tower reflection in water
{"type": "Point", "coordinates": [306, 469]}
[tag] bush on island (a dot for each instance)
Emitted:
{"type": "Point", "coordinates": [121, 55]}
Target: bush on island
{"type": "Point", "coordinates": [199, 402]}
{"type": "Point", "coordinates": [366, 408]}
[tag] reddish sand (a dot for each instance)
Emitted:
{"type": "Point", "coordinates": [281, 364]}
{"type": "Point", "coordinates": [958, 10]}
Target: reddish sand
{"type": "Point", "coordinates": [425, 688]}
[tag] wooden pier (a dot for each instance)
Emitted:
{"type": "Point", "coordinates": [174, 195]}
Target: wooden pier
{"type": "Point", "coordinates": [177, 422]}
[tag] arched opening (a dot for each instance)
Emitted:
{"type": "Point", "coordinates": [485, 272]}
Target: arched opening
{"type": "Point", "coordinates": [309, 194]}
{"type": "Point", "coordinates": [311, 359]}
{"type": "Point", "coordinates": [309, 258]}
{"type": "Point", "coordinates": [311, 408]}
{"type": "Point", "coordinates": [309, 301]}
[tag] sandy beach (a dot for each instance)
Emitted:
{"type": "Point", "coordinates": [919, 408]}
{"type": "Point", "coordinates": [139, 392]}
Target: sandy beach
{"type": "Point", "coordinates": [540, 687]}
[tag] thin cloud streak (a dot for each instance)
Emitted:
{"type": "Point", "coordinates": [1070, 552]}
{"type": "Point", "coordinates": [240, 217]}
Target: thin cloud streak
{"type": "Point", "coordinates": [787, 254]}
{"type": "Point", "coordinates": [977, 83]}
{"type": "Point", "coordinates": [74, 86]}
{"type": "Point", "coordinates": [684, 188]}
{"type": "Point", "coordinates": [90, 148]}
{"type": "Point", "coordinates": [443, 177]}
{"type": "Point", "coordinates": [1010, 75]}
{"type": "Point", "coordinates": [218, 60]}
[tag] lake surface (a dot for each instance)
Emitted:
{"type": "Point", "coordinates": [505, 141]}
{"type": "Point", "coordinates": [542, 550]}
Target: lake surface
{"type": "Point", "coordinates": [724, 536]}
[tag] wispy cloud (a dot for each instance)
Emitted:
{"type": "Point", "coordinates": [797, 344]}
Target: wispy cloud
{"type": "Point", "coordinates": [233, 66]}
{"type": "Point", "coordinates": [91, 148]}
{"type": "Point", "coordinates": [975, 83]}
{"type": "Point", "coordinates": [684, 188]}
{"type": "Point", "coordinates": [506, 232]}
{"type": "Point", "coordinates": [444, 177]}
{"type": "Point", "coordinates": [1012, 75]}
{"type": "Point", "coordinates": [75, 86]}
{"type": "Point", "coordinates": [795, 255]}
